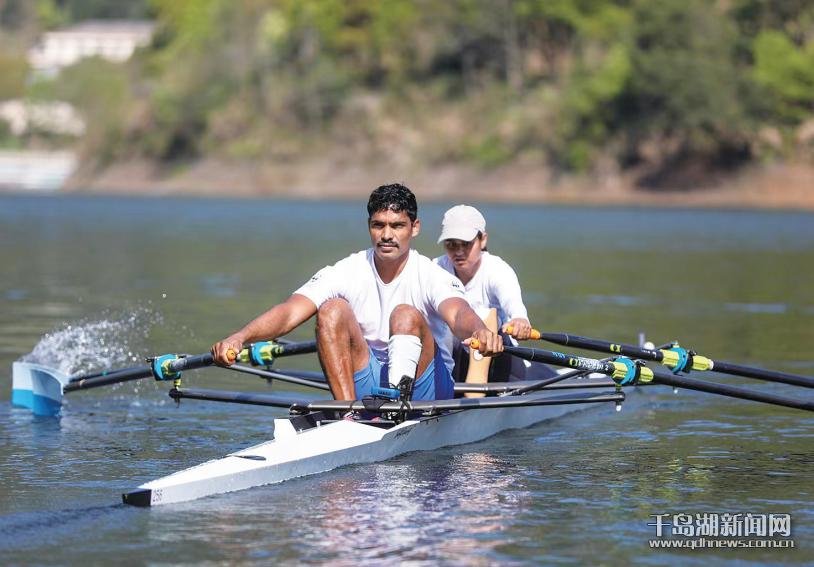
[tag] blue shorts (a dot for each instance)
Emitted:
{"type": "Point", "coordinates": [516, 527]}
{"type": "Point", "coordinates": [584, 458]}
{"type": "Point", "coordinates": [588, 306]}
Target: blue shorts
{"type": "Point", "coordinates": [435, 383]}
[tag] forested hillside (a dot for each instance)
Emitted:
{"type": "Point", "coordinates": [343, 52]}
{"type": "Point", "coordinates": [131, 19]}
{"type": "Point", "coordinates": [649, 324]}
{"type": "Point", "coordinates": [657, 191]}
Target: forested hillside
{"type": "Point", "coordinates": [675, 91]}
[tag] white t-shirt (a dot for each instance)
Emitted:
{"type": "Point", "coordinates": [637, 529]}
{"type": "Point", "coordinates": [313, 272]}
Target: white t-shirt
{"type": "Point", "coordinates": [421, 284]}
{"type": "Point", "coordinates": [494, 285]}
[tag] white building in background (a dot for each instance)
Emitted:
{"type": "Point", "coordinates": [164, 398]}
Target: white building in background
{"type": "Point", "coordinates": [35, 171]}
{"type": "Point", "coordinates": [114, 40]}
{"type": "Point", "coordinates": [55, 117]}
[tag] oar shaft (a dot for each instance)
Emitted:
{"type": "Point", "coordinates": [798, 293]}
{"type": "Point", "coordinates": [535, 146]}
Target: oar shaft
{"type": "Point", "coordinates": [191, 362]}
{"type": "Point", "coordinates": [761, 374]}
{"type": "Point", "coordinates": [116, 377]}
{"type": "Point", "coordinates": [305, 347]}
{"type": "Point", "coordinates": [102, 373]}
{"type": "Point", "coordinates": [602, 346]}
{"type": "Point", "coordinates": [662, 377]}
{"type": "Point", "coordinates": [139, 372]}
{"type": "Point", "coordinates": [560, 359]}
{"type": "Point", "coordinates": [700, 363]}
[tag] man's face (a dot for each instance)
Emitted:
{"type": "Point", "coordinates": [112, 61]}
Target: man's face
{"type": "Point", "coordinates": [465, 256]}
{"type": "Point", "coordinates": [391, 233]}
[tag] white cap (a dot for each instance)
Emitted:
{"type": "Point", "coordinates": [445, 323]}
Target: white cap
{"type": "Point", "coordinates": [462, 222]}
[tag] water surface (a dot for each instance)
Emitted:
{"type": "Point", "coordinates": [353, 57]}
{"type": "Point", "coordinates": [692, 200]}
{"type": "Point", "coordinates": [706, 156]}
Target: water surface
{"type": "Point", "coordinates": [107, 281]}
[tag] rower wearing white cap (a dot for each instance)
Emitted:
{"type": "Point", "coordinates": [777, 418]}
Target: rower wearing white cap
{"type": "Point", "coordinates": [489, 282]}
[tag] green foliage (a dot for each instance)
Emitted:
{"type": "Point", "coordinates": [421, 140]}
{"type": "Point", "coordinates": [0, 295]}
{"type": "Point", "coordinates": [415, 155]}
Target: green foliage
{"type": "Point", "coordinates": [49, 14]}
{"type": "Point", "coordinates": [586, 117]}
{"type": "Point", "coordinates": [572, 82]}
{"type": "Point", "coordinates": [489, 152]}
{"type": "Point", "coordinates": [685, 78]}
{"type": "Point", "coordinates": [78, 10]}
{"type": "Point", "coordinates": [787, 72]}
{"type": "Point", "coordinates": [100, 91]}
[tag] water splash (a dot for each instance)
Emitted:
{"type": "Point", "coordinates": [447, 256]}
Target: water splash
{"type": "Point", "coordinates": [91, 344]}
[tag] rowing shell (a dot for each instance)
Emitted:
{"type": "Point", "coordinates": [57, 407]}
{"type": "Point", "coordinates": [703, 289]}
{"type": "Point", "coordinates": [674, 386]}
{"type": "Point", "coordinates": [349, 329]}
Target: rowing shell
{"type": "Point", "coordinates": [306, 445]}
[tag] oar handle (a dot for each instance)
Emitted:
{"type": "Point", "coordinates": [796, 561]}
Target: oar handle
{"type": "Point", "coordinates": [534, 336]}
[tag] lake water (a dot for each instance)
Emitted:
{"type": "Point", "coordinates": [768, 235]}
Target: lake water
{"type": "Point", "coordinates": [94, 282]}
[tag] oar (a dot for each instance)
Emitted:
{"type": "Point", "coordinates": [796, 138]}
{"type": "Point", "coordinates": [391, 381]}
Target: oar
{"type": "Point", "coordinates": [623, 370]}
{"type": "Point", "coordinates": [658, 376]}
{"type": "Point", "coordinates": [662, 377]}
{"type": "Point", "coordinates": [41, 389]}
{"type": "Point", "coordinates": [676, 358]}
{"type": "Point", "coordinates": [262, 353]}
{"type": "Point", "coordinates": [100, 373]}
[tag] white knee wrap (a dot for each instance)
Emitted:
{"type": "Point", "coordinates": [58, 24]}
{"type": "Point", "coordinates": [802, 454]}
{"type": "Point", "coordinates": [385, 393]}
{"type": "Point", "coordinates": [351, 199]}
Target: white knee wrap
{"type": "Point", "coordinates": [403, 352]}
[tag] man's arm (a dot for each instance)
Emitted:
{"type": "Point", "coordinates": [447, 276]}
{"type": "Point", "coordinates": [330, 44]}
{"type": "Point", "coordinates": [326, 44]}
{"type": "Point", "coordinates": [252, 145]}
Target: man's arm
{"type": "Point", "coordinates": [277, 321]}
{"type": "Point", "coordinates": [466, 325]}
{"type": "Point", "coordinates": [505, 287]}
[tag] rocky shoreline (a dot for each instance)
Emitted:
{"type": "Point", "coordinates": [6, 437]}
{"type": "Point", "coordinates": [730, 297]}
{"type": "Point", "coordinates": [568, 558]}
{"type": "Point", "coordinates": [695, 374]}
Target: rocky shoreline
{"type": "Point", "coordinates": [786, 186]}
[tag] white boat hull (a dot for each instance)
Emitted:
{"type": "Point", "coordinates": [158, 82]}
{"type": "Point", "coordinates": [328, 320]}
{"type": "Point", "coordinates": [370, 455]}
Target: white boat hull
{"type": "Point", "coordinates": [292, 454]}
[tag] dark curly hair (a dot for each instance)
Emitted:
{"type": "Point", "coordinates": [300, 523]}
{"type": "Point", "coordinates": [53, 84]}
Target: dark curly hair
{"type": "Point", "coordinates": [394, 197]}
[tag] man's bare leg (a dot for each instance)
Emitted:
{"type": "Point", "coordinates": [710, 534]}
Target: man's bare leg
{"type": "Point", "coordinates": [407, 320]}
{"type": "Point", "coordinates": [342, 347]}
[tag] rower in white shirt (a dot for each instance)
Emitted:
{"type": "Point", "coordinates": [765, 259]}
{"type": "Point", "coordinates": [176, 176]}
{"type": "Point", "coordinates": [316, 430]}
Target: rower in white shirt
{"type": "Point", "coordinates": [380, 312]}
{"type": "Point", "coordinates": [489, 283]}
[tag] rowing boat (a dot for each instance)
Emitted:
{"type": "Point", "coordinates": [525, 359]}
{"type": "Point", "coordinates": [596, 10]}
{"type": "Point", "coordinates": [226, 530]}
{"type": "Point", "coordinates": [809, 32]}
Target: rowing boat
{"type": "Point", "coordinates": [314, 438]}
{"type": "Point", "coordinates": [317, 442]}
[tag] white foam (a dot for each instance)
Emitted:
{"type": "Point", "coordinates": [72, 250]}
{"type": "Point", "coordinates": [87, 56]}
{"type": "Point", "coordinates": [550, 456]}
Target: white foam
{"type": "Point", "coordinates": [93, 344]}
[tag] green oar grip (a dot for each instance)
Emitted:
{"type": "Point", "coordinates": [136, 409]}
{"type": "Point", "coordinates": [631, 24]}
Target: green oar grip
{"type": "Point", "coordinates": [671, 358]}
{"type": "Point", "coordinates": [260, 353]}
{"type": "Point", "coordinates": [629, 372]}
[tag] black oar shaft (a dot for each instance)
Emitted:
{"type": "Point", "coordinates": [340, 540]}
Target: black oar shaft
{"type": "Point", "coordinates": [761, 374]}
{"type": "Point", "coordinates": [102, 373]}
{"type": "Point", "coordinates": [109, 379]}
{"type": "Point", "coordinates": [669, 379]}
{"type": "Point", "coordinates": [602, 346]}
{"type": "Point", "coordinates": [139, 372]}
{"type": "Point", "coordinates": [658, 356]}
{"type": "Point", "coordinates": [305, 347]}
{"type": "Point", "coordinates": [560, 359]}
